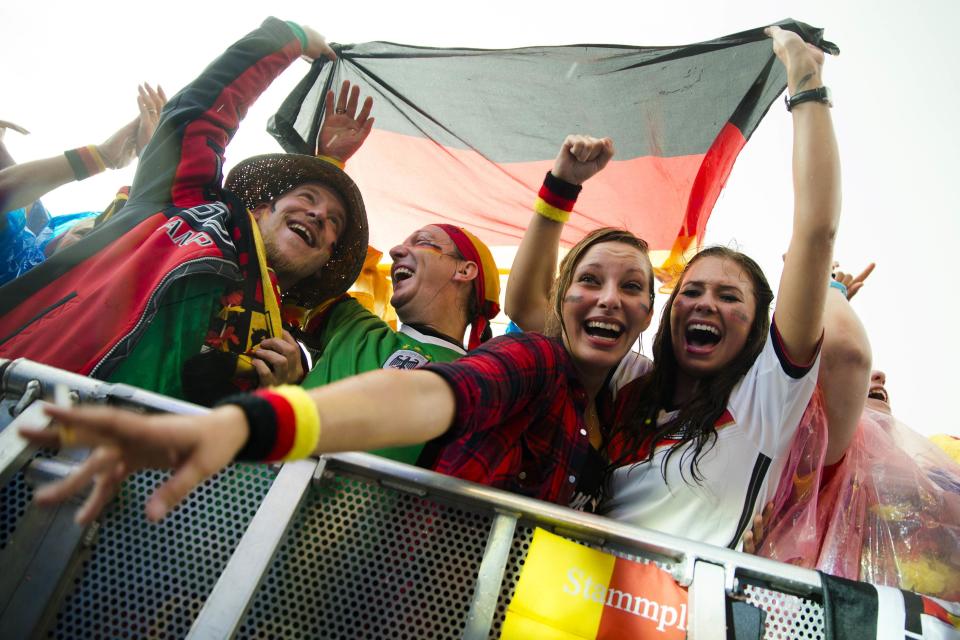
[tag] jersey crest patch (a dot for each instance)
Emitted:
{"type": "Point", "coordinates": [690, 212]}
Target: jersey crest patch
{"type": "Point", "coordinates": [405, 359]}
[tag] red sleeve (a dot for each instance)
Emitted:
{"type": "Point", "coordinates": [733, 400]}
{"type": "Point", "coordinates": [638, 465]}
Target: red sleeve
{"type": "Point", "coordinates": [183, 163]}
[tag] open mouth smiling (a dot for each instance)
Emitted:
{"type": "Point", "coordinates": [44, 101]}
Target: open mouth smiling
{"type": "Point", "coordinates": [603, 330]}
{"type": "Point", "coordinates": [702, 336]}
{"type": "Point", "coordinates": [402, 273]}
{"type": "Point", "coordinates": [305, 234]}
{"type": "Point", "coordinates": [878, 393]}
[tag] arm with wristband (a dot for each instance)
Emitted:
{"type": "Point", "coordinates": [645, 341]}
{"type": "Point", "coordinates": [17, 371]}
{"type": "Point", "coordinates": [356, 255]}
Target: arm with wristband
{"type": "Point", "coordinates": [535, 265]}
{"type": "Point", "coordinates": [281, 423]}
{"type": "Point", "coordinates": [845, 364]}
{"type": "Point", "coordinates": [24, 183]}
{"type": "Point", "coordinates": [183, 163]}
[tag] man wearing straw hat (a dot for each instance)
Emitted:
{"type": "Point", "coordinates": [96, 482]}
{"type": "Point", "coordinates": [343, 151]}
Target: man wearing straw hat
{"type": "Point", "coordinates": [187, 289]}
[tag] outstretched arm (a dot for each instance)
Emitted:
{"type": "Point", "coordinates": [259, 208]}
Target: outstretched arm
{"type": "Point", "coordinates": [816, 184]}
{"type": "Point", "coordinates": [534, 268]}
{"type": "Point", "coordinates": [411, 407]}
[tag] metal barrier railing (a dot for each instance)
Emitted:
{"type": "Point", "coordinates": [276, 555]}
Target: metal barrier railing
{"type": "Point", "coordinates": [349, 546]}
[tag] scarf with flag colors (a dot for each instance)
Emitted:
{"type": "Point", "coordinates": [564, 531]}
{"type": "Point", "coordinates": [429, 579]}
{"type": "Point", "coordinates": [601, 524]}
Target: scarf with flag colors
{"type": "Point", "coordinates": [465, 135]}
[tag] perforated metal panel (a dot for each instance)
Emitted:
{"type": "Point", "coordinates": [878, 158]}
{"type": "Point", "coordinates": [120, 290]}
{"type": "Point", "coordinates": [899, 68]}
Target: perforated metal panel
{"type": "Point", "coordinates": [14, 498]}
{"type": "Point", "coordinates": [788, 617]}
{"type": "Point", "coordinates": [522, 538]}
{"type": "Point", "coordinates": [362, 561]}
{"type": "Point", "coordinates": [149, 581]}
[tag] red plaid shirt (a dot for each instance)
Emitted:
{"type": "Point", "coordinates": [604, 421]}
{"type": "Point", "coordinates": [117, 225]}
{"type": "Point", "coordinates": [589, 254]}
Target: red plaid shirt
{"type": "Point", "coordinates": [519, 422]}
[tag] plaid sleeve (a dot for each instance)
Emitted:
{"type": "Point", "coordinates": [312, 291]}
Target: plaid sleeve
{"type": "Point", "coordinates": [500, 379]}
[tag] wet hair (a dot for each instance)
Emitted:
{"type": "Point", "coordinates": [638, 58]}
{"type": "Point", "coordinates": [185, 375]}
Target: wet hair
{"type": "Point", "coordinates": [554, 325]}
{"type": "Point", "coordinates": [694, 422]}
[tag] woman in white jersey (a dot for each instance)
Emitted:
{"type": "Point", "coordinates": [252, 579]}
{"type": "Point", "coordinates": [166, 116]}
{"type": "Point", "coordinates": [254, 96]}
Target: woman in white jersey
{"type": "Point", "coordinates": [697, 440]}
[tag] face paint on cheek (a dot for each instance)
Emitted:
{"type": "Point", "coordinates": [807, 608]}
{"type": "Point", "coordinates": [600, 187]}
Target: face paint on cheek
{"type": "Point", "coordinates": [435, 250]}
{"type": "Point", "coordinates": [741, 316]}
{"type": "Point", "coordinates": [573, 299]}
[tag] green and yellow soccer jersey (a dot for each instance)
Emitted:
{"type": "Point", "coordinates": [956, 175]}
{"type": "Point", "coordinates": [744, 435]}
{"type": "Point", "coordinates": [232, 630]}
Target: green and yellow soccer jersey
{"type": "Point", "coordinates": [356, 341]}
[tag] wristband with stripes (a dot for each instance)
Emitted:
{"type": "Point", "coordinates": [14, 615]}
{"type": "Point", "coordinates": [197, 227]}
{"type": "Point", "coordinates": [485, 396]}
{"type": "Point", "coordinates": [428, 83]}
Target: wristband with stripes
{"type": "Point", "coordinates": [85, 161]}
{"type": "Point", "coordinates": [283, 421]}
{"type": "Point", "coordinates": [556, 198]}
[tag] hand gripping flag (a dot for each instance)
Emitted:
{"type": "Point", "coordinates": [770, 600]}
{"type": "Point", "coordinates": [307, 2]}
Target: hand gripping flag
{"type": "Point", "coordinates": [466, 135]}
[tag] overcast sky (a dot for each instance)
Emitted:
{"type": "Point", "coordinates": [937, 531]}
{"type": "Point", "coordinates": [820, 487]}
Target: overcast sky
{"type": "Point", "coordinates": [70, 72]}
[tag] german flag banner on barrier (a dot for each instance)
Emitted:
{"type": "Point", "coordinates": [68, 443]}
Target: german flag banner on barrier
{"type": "Point", "coordinates": [568, 591]}
{"type": "Point", "coordinates": [466, 135]}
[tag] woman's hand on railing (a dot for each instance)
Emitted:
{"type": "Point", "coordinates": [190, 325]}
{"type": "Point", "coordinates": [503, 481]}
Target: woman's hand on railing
{"type": "Point", "coordinates": [124, 442]}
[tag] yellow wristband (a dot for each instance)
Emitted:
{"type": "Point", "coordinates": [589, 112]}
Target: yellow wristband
{"type": "Point", "coordinates": [550, 212]}
{"type": "Point", "coordinates": [308, 421]}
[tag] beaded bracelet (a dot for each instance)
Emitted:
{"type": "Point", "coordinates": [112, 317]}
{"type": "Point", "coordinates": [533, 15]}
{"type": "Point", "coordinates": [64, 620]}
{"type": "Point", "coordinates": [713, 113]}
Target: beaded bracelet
{"type": "Point", "coordinates": [85, 161]}
{"type": "Point", "coordinates": [556, 198]}
{"type": "Point", "coordinates": [284, 423]}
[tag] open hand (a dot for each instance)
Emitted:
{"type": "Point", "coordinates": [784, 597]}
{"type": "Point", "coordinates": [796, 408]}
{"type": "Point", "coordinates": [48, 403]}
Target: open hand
{"type": "Point", "coordinates": [150, 101]}
{"type": "Point", "coordinates": [125, 442]}
{"type": "Point", "coordinates": [344, 130]}
{"type": "Point", "coordinates": [582, 157]}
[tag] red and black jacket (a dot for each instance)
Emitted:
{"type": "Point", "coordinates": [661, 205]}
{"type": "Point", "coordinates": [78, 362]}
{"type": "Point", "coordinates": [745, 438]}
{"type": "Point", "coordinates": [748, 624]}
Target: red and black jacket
{"type": "Point", "coordinates": [85, 309]}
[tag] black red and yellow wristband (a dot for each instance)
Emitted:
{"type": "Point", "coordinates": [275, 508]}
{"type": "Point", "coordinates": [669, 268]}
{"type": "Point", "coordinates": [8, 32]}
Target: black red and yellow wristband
{"type": "Point", "coordinates": [556, 198]}
{"type": "Point", "coordinates": [85, 161]}
{"type": "Point", "coordinates": [284, 423]}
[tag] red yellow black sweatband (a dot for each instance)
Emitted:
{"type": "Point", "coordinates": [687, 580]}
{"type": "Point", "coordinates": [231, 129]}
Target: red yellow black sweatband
{"type": "Point", "coordinates": [283, 421]}
{"type": "Point", "coordinates": [85, 161]}
{"type": "Point", "coordinates": [556, 198]}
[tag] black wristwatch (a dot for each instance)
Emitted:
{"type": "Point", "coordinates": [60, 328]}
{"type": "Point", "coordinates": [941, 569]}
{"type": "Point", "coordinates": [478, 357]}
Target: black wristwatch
{"type": "Point", "coordinates": [820, 94]}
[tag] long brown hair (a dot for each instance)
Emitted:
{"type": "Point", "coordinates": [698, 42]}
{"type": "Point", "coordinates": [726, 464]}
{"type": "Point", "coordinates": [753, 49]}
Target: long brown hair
{"type": "Point", "coordinates": [695, 420]}
{"type": "Point", "coordinates": [554, 325]}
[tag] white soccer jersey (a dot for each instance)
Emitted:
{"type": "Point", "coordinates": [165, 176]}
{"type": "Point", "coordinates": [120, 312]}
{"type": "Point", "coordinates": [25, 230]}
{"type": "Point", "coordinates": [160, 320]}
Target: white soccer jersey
{"type": "Point", "coordinates": [753, 439]}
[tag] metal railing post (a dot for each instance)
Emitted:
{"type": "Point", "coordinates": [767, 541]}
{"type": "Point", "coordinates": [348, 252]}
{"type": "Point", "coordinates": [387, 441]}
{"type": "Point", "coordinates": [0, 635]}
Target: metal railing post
{"type": "Point", "coordinates": [489, 578]}
{"type": "Point", "coordinates": [231, 596]}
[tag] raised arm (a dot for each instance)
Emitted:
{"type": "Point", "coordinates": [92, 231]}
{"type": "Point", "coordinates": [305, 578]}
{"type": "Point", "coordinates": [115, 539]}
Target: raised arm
{"type": "Point", "coordinates": [24, 183]}
{"type": "Point", "coordinates": [846, 361]}
{"type": "Point", "coordinates": [534, 267]}
{"type": "Point", "coordinates": [411, 407]}
{"type": "Point", "coordinates": [183, 162]}
{"type": "Point", "coordinates": [816, 185]}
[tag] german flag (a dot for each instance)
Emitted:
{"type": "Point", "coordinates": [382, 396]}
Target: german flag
{"type": "Point", "coordinates": [466, 135]}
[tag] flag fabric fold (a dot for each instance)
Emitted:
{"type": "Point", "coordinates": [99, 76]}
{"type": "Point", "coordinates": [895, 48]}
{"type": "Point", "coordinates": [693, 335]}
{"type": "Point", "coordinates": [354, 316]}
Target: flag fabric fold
{"type": "Point", "coordinates": [465, 135]}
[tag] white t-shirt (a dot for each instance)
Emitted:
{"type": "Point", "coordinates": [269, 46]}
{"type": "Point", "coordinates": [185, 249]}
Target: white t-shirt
{"type": "Point", "coordinates": [753, 439]}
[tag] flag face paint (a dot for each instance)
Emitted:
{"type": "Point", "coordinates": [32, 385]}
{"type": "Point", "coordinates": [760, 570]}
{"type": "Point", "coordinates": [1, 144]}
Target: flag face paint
{"type": "Point", "coordinates": [466, 135]}
{"type": "Point", "coordinates": [568, 591]}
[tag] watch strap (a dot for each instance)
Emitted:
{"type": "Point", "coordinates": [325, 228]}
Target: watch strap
{"type": "Point", "coordinates": [820, 94]}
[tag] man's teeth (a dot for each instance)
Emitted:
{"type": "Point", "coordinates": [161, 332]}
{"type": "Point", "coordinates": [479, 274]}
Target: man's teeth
{"type": "Point", "coordinates": [302, 231]}
{"type": "Point", "coordinates": [704, 327]}
{"type": "Point", "coordinates": [402, 273]}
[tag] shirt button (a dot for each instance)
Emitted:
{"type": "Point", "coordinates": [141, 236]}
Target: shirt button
{"type": "Point", "coordinates": [522, 475]}
{"type": "Point", "coordinates": [583, 432]}
{"type": "Point", "coordinates": [572, 479]}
